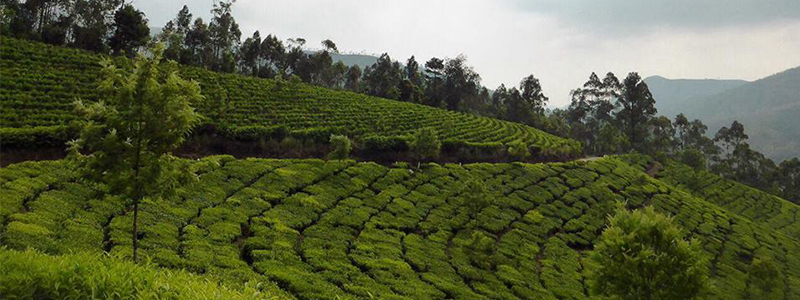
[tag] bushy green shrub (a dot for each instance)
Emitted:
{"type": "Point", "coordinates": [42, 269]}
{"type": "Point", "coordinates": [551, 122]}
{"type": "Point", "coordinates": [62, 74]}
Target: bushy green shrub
{"type": "Point", "coordinates": [642, 255]}
{"type": "Point", "coordinates": [341, 147]}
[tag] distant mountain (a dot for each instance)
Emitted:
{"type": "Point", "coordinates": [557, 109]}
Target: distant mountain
{"type": "Point", "coordinates": [672, 94]}
{"type": "Point", "coordinates": [360, 60]}
{"type": "Point", "coordinates": [769, 108]}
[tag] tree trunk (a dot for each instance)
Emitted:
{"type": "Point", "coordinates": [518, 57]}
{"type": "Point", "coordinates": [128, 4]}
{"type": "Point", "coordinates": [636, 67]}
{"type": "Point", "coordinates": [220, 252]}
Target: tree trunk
{"type": "Point", "coordinates": [135, 228]}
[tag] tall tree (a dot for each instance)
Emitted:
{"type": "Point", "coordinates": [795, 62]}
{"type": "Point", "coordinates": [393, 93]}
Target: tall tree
{"type": "Point", "coordinates": [271, 56]}
{"type": "Point", "coordinates": [434, 71]}
{"type": "Point", "coordinates": [93, 23]}
{"type": "Point", "coordinates": [460, 82]}
{"type": "Point", "coordinates": [499, 98]}
{"type": "Point", "coordinates": [383, 78]}
{"type": "Point", "coordinates": [250, 62]}
{"type": "Point", "coordinates": [174, 36]}
{"type": "Point", "coordinates": [225, 37]}
{"type": "Point", "coordinates": [353, 81]}
{"type": "Point", "coordinates": [532, 94]}
{"type": "Point", "coordinates": [198, 52]}
{"type": "Point", "coordinates": [413, 73]}
{"type": "Point", "coordinates": [662, 135]}
{"type": "Point", "coordinates": [130, 135]}
{"type": "Point", "coordinates": [130, 31]}
{"type": "Point", "coordinates": [636, 107]}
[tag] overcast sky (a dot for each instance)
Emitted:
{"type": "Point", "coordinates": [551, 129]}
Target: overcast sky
{"type": "Point", "coordinates": [559, 41]}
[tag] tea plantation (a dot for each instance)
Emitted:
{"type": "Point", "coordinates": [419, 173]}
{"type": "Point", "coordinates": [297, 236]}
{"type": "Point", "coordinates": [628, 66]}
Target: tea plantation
{"type": "Point", "coordinates": [40, 83]}
{"type": "Point", "coordinates": [310, 229]}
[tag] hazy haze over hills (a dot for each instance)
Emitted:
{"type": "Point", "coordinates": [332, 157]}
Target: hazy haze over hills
{"type": "Point", "coordinates": [672, 94]}
{"type": "Point", "coordinates": [769, 108]}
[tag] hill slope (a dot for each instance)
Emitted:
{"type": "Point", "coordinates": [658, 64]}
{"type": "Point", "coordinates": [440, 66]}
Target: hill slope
{"type": "Point", "coordinates": [40, 83]}
{"type": "Point", "coordinates": [767, 107]}
{"type": "Point", "coordinates": [672, 94]}
{"type": "Point", "coordinates": [346, 230]}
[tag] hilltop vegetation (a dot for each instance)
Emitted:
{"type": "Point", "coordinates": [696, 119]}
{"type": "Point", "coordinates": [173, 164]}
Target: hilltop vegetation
{"type": "Point", "coordinates": [41, 82]}
{"type": "Point", "coordinates": [322, 230]}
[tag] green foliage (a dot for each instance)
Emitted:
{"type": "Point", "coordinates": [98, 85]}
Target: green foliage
{"type": "Point", "coordinates": [145, 115]}
{"type": "Point", "coordinates": [33, 275]}
{"type": "Point", "coordinates": [519, 150]}
{"type": "Point", "coordinates": [764, 274]}
{"type": "Point", "coordinates": [693, 158]}
{"type": "Point", "coordinates": [642, 255]}
{"type": "Point", "coordinates": [339, 229]}
{"type": "Point", "coordinates": [341, 147]}
{"type": "Point", "coordinates": [129, 136]}
{"type": "Point", "coordinates": [426, 143]}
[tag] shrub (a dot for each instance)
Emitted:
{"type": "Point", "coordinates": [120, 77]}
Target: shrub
{"type": "Point", "coordinates": [518, 150]}
{"type": "Point", "coordinates": [341, 147]}
{"type": "Point", "coordinates": [426, 143]}
{"type": "Point", "coordinates": [87, 276]}
{"type": "Point", "coordinates": [764, 274]}
{"type": "Point", "coordinates": [641, 255]}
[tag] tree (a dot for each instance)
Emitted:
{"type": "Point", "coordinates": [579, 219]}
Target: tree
{"type": "Point", "coordinates": [174, 36]}
{"type": "Point", "coordinates": [788, 177]}
{"type": "Point", "coordinates": [129, 135]}
{"type": "Point", "coordinates": [434, 71]}
{"type": "Point", "coordinates": [225, 37]}
{"type": "Point", "coordinates": [532, 94]}
{"type": "Point", "coordinates": [412, 72]}
{"type": "Point", "coordinates": [636, 107]}
{"type": "Point", "coordinates": [330, 46]}
{"type": "Point", "coordinates": [130, 31]}
{"type": "Point", "coordinates": [662, 136]}
{"type": "Point", "coordinates": [693, 158]}
{"type": "Point", "coordinates": [383, 78]}
{"type": "Point", "coordinates": [341, 147]}
{"type": "Point", "coordinates": [198, 52]}
{"type": "Point", "coordinates": [353, 78]}
{"type": "Point", "coordinates": [611, 140]}
{"type": "Point", "coordinates": [642, 255]}
{"type": "Point", "coordinates": [93, 23]}
{"type": "Point", "coordinates": [426, 143]}
{"type": "Point", "coordinates": [272, 54]}
{"type": "Point", "coordinates": [682, 127]}
{"type": "Point", "coordinates": [460, 82]}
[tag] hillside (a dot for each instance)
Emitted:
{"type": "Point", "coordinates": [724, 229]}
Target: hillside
{"type": "Point", "coordinates": [768, 109]}
{"type": "Point", "coordinates": [347, 230]}
{"type": "Point", "coordinates": [40, 83]}
{"type": "Point", "coordinates": [672, 94]}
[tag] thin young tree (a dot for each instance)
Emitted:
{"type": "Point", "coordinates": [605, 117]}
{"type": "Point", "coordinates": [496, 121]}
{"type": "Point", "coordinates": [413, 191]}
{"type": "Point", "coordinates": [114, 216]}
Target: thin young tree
{"type": "Point", "coordinates": [128, 135]}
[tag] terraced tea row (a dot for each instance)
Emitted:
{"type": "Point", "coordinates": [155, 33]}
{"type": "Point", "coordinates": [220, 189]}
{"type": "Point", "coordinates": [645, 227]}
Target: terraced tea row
{"type": "Point", "coordinates": [347, 230]}
{"type": "Point", "coordinates": [40, 83]}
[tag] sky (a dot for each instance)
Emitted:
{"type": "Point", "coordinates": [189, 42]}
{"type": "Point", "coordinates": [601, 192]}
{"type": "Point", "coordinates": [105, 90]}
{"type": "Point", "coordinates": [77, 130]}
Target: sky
{"type": "Point", "coordinates": [558, 41]}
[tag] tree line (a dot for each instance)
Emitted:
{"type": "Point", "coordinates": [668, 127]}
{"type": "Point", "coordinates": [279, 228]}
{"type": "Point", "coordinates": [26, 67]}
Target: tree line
{"type": "Point", "coordinates": [608, 116]}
